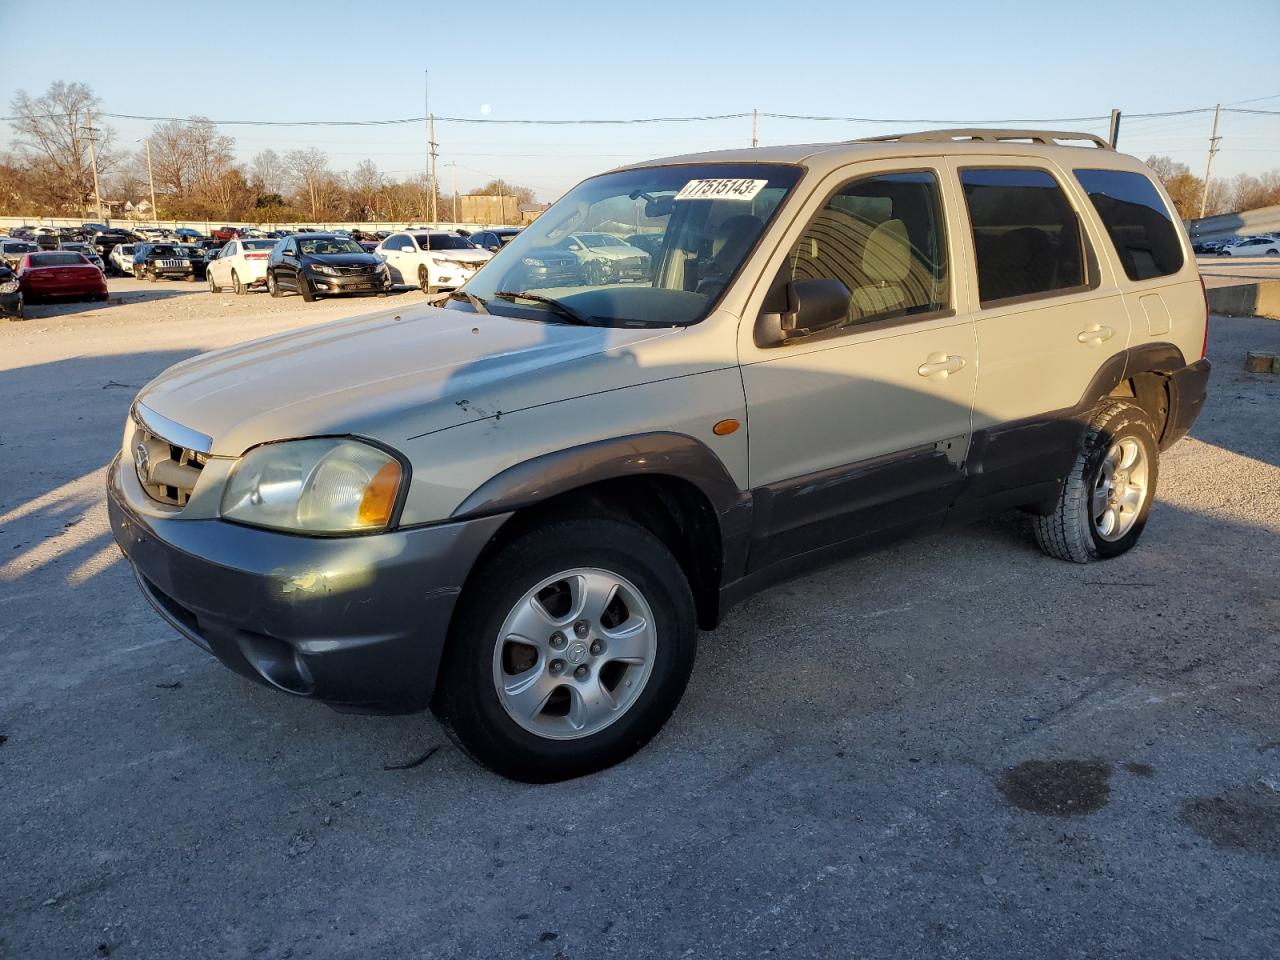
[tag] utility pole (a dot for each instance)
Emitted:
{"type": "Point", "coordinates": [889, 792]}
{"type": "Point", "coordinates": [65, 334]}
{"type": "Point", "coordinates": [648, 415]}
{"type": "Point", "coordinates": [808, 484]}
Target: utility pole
{"type": "Point", "coordinates": [1208, 170]}
{"type": "Point", "coordinates": [455, 191]}
{"type": "Point", "coordinates": [1113, 137]}
{"type": "Point", "coordinates": [93, 159]}
{"type": "Point", "coordinates": [151, 178]}
{"type": "Point", "coordinates": [755, 141]}
{"type": "Point", "coordinates": [431, 123]}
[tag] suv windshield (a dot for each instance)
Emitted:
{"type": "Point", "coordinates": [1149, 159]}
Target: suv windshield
{"type": "Point", "coordinates": [704, 219]}
{"type": "Point", "coordinates": [323, 246]}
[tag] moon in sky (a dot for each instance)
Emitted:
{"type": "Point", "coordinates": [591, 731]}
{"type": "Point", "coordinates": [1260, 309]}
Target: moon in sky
{"type": "Point", "coordinates": [486, 109]}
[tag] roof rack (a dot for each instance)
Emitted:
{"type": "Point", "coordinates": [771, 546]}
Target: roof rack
{"type": "Point", "coordinates": [985, 135]}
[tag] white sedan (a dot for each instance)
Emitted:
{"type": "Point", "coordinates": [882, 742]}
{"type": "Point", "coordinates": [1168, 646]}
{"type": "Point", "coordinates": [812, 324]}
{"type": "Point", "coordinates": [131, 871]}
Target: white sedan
{"type": "Point", "coordinates": [240, 264]}
{"type": "Point", "coordinates": [606, 258]}
{"type": "Point", "coordinates": [432, 259]}
{"type": "Point", "coordinates": [120, 258]}
{"type": "Point", "coordinates": [1263, 246]}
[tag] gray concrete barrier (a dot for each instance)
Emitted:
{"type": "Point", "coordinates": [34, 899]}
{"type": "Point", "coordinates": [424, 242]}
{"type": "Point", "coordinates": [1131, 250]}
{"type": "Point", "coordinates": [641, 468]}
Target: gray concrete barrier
{"type": "Point", "coordinates": [1261, 299]}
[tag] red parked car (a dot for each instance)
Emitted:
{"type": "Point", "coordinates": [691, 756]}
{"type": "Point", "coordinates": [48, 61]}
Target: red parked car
{"type": "Point", "coordinates": [60, 275]}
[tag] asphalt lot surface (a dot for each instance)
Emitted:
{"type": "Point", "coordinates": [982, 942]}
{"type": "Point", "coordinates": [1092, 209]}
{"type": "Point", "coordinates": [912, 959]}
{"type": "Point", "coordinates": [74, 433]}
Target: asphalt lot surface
{"type": "Point", "coordinates": [952, 748]}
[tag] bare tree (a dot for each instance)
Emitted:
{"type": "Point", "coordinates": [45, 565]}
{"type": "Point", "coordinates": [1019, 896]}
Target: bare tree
{"type": "Point", "coordinates": [312, 178]}
{"type": "Point", "coordinates": [267, 172]}
{"type": "Point", "coordinates": [51, 135]}
{"type": "Point", "coordinates": [364, 186]}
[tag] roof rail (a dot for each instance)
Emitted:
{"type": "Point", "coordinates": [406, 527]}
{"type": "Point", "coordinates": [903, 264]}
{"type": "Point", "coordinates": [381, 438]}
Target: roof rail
{"type": "Point", "coordinates": [986, 135]}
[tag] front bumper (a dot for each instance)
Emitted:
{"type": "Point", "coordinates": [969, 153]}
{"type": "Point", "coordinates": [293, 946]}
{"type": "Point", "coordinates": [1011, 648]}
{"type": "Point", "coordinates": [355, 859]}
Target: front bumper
{"type": "Point", "coordinates": [1186, 400]}
{"type": "Point", "coordinates": [356, 622]}
{"type": "Point", "coordinates": [353, 283]}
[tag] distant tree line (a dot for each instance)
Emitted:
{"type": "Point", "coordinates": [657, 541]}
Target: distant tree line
{"type": "Point", "coordinates": [48, 172]}
{"type": "Point", "coordinates": [1241, 192]}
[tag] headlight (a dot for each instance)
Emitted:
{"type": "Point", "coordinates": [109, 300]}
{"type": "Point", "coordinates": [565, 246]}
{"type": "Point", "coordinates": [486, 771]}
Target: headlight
{"type": "Point", "coordinates": [329, 485]}
{"type": "Point", "coordinates": [443, 262]}
{"type": "Point", "coordinates": [322, 268]}
{"type": "Point", "coordinates": [9, 286]}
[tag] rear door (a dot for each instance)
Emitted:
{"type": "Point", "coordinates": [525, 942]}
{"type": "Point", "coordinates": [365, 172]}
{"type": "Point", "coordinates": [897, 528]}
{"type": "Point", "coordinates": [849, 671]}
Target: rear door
{"type": "Point", "coordinates": [1048, 317]}
{"type": "Point", "coordinates": [862, 430]}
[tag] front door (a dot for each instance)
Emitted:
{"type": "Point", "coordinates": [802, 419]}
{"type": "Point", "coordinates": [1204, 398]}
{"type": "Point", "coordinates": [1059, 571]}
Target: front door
{"type": "Point", "coordinates": [862, 430]}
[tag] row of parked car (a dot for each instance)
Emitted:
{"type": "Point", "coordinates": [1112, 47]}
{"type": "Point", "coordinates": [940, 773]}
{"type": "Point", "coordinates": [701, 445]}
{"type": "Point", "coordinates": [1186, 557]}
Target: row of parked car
{"type": "Point", "coordinates": [314, 263]}
{"type": "Point", "coordinates": [1259, 245]}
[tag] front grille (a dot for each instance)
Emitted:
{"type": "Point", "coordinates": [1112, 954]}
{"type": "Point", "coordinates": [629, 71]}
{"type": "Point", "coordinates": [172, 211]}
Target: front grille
{"type": "Point", "coordinates": [167, 472]}
{"type": "Point", "coordinates": [354, 271]}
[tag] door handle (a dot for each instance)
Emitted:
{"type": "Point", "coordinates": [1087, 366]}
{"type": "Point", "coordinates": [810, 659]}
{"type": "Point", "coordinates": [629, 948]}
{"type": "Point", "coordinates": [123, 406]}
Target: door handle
{"type": "Point", "coordinates": [939, 366]}
{"type": "Point", "coordinates": [1095, 333]}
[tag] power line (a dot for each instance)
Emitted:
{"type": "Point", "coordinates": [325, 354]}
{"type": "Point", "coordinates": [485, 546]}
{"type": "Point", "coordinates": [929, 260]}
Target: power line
{"type": "Point", "coordinates": [623, 121]}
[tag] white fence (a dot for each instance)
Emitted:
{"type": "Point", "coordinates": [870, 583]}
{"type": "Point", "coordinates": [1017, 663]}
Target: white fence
{"type": "Point", "coordinates": [205, 226]}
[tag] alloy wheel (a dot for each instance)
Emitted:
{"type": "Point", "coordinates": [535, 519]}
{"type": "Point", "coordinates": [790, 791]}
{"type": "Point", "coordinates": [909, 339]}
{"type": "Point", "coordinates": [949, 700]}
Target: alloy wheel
{"type": "Point", "coordinates": [1120, 490]}
{"type": "Point", "coordinates": [574, 653]}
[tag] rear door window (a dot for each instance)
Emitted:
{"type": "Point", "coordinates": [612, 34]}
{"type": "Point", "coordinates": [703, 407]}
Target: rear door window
{"type": "Point", "coordinates": [1026, 235]}
{"type": "Point", "coordinates": [1137, 221]}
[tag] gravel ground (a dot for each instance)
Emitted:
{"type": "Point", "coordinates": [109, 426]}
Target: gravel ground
{"type": "Point", "coordinates": [952, 748]}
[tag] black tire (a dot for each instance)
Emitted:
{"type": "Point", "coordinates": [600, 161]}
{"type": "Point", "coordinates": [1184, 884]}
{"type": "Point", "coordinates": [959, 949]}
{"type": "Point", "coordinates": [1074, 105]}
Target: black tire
{"type": "Point", "coordinates": [304, 288]}
{"type": "Point", "coordinates": [236, 287]}
{"type": "Point", "coordinates": [18, 308]}
{"type": "Point", "coordinates": [1069, 533]}
{"type": "Point", "coordinates": [424, 279]}
{"type": "Point", "coordinates": [272, 287]}
{"type": "Point", "coordinates": [466, 699]}
{"type": "Point", "coordinates": [594, 273]}
{"type": "Point", "coordinates": [213, 284]}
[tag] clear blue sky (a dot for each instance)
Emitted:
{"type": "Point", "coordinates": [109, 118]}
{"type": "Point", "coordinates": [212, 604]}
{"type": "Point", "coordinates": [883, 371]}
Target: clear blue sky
{"type": "Point", "coordinates": [946, 60]}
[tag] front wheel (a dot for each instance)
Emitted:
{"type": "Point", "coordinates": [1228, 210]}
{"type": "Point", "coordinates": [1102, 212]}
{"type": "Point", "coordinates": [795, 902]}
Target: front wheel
{"type": "Point", "coordinates": [213, 284]}
{"type": "Point", "coordinates": [1105, 500]}
{"type": "Point", "coordinates": [271, 284]}
{"type": "Point", "coordinates": [304, 288]}
{"type": "Point", "coordinates": [424, 280]}
{"type": "Point", "coordinates": [571, 649]}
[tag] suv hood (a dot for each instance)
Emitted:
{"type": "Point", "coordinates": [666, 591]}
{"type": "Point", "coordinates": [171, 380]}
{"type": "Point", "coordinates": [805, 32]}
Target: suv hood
{"type": "Point", "coordinates": [391, 376]}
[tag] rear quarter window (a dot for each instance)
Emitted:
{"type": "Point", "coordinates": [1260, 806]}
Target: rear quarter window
{"type": "Point", "coordinates": [1137, 221]}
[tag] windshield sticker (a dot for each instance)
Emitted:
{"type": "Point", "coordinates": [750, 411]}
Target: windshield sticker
{"type": "Point", "coordinates": [721, 189]}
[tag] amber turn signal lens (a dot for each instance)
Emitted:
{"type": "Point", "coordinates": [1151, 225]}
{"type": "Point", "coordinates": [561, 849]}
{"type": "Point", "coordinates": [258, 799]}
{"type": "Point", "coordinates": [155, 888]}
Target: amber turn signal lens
{"type": "Point", "coordinates": [725, 427]}
{"type": "Point", "coordinates": [380, 496]}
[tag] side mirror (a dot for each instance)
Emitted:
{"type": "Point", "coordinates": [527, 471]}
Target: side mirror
{"type": "Point", "coordinates": [407, 249]}
{"type": "Point", "coordinates": [812, 306]}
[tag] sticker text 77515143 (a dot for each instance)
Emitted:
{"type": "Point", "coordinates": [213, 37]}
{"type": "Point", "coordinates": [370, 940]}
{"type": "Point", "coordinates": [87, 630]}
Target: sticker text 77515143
{"type": "Point", "coordinates": [721, 189]}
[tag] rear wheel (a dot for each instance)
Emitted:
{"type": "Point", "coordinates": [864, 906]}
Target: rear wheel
{"type": "Point", "coordinates": [571, 649]}
{"type": "Point", "coordinates": [1104, 502]}
{"type": "Point", "coordinates": [235, 284]}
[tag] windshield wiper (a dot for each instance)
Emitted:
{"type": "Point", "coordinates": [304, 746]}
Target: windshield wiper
{"type": "Point", "coordinates": [477, 304]}
{"type": "Point", "coordinates": [566, 311]}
